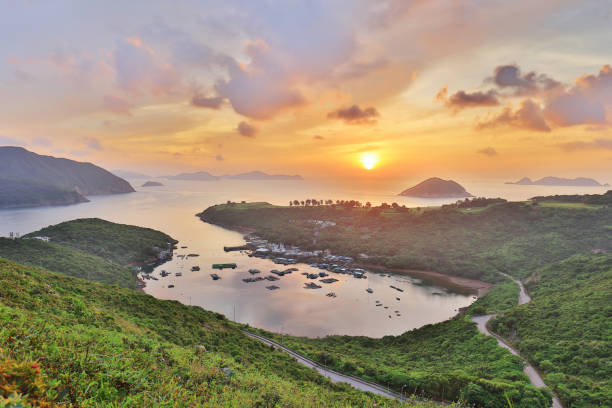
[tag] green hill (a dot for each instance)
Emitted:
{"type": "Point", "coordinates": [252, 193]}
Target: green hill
{"type": "Point", "coordinates": [566, 330]}
{"type": "Point", "coordinates": [120, 243]}
{"type": "Point", "coordinates": [91, 248]}
{"type": "Point", "coordinates": [69, 342]}
{"type": "Point", "coordinates": [29, 179]}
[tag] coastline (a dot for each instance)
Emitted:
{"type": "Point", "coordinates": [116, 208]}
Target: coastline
{"type": "Point", "coordinates": [480, 288]}
{"type": "Point", "coordinates": [473, 286]}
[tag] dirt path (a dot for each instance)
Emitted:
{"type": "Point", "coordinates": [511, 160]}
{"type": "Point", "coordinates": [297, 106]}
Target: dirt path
{"type": "Point", "coordinates": [532, 373]}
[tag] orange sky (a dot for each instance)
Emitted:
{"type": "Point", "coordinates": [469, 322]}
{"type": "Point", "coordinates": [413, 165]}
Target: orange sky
{"type": "Point", "coordinates": [435, 88]}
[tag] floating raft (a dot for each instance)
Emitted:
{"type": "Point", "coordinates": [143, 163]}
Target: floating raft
{"type": "Point", "coordinates": [224, 265]}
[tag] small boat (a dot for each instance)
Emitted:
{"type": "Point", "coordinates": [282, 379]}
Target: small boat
{"type": "Point", "coordinates": [184, 247]}
{"type": "Point", "coordinates": [396, 288]}
{"type": "Point", "coordinates": [195, 268]}
{"type": "Point", "coordinates": [398, 299]}
{"type": "Point", "coordinates": [323, 274]}
{"type": "Point", "coordinates": [272, 287]}
{"type": "Point", "coordinates": [170, 286]}
{"type": "Point", "coordinates": [254, 271]}
{"type": "Point", "coordinates": [379, 304]}
{"type": "Point", "coordinates": [329, 280]}
{"type": "Point", "coordinates": [313, 276]}
{"type": "Point", "coordinates": [311, 285]}
{"type": "Point", "coordinates": [215, 276]}
{"type": "Point", "coordinates": [331, 294]}
{"type": "Point", "coordinates": [369, 290]}
{"type": "Point", "coordinates": [192, 255]}
{"type": "Point", "coordinates": [386, 307]}
{"type": "Point", "coordinates": [179, 274]}
{"type": "Point", "coordinates": [271, 278]}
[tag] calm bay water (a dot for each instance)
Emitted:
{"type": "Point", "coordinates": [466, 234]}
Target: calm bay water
{"type": "Point", "coordinates": [291, 308]}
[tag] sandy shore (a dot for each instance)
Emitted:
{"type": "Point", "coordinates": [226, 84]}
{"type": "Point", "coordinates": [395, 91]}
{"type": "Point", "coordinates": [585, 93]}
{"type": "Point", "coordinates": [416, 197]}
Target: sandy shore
{"type": "Point", "coordinates": [472, 285]}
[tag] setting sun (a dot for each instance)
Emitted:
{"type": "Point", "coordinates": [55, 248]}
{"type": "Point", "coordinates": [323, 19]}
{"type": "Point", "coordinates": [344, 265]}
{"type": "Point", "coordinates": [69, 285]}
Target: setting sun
{"type": "Point", "coordinates": [369, 160]}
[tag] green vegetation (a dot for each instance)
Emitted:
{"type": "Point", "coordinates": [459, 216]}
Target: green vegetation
{"type": "Point", "coordinates": [566, 330]}
{"type": "Point", "coordinates": [500, 297]}
{"type": "Point", "coordinates": [596, 199]}
{"type": "Point", "coordinates": [67, 260]}
{"type": "Point", "coordinates": [510, 237]}
{"type": "Point", "coordinates": [448, 360]}
{"type": "Point", "coordinates": [21, 193]}
{"type": "Point", "coordinates": [68, 342]}
{"type": "Point", "coordinates": [92, 249]}
{"type": "Point", "coordinates": [122, 244]}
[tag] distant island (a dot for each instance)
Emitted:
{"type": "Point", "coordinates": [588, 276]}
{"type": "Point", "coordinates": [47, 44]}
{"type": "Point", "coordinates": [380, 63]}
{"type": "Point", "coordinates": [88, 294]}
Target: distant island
{"type": "Point", "coordinates": [437, 188]}
{"type": "Point", "coordinates": [130, 174]}
{"type": "Point", "coordinates": [260, 175]}
{"type": "Point", "coordinates": [31, 180]}
{"type": "Point", "coordinates": [558, 181]}
{"type": "Point", "coordinates": [252, 175]}
{"type": "Point", "coordinates": [197, 176]}
{"type": "Point", "coordinates": [152, 184]}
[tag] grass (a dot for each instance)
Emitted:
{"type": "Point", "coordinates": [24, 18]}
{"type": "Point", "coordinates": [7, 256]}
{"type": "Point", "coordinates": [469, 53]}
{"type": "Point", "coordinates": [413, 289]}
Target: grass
{"type": "Point", "coordinates": [69, 342]}
{"type": "Point", "coordinates": [576, 206]}
{"type": "Point", "coordinates": [566, 330]}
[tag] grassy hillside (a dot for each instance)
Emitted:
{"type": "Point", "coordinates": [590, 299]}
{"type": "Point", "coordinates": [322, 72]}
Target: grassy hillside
{"type": "Point", "coordinates": [514, 237]}
{"type": "Point", "coordinates": [448, 360]}
{"type": "Point", "coordinates": [566, 330]}
{"type": "Point", "coordinates": [122, 244]}
{"type": "Point", "coordinates": [67, 260]}
{"type": "Point", "coordinates": [66, 341]}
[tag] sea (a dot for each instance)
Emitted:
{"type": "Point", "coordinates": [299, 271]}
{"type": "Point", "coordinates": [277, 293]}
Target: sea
{"type": "Point", "coordinates": [291, 309]}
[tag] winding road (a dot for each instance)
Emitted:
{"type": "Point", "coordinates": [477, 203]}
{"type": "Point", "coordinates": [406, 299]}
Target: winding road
{"type": "Point", "coordinates": [334, 376]}
{"type": "Point", "coordinates": [532, 373]}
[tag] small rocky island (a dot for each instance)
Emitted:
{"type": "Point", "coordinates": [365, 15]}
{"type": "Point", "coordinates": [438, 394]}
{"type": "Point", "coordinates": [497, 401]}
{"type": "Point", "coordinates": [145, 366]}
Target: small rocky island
{"type": "Point", "coordinates": [152, 184]}
{"type": "Point", "coordinates": [437, 188]}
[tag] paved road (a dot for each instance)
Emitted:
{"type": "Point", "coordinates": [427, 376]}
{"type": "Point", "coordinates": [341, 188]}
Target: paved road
{"type": "Point", "coordinates": [332, 375]}
{"type": "Point", "coordinates": [532, 373]}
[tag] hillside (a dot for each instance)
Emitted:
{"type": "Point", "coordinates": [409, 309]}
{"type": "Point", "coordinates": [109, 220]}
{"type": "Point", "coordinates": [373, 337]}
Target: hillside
{"type": "Point", "coordinates": [20, 193]}
{"type": "Point", "coordinates": [566, 330]}
{"type": "Point", "coordinates": [436, 188]}
{"type": "Point", "coordinates": [65, 341]}
{"type": "Point", "coordinates": [119, 243]}
{"type": "Point", "coordinates": [32, 179]}
{"type": "Point", "coordinates": [67, 260]}
{"type": "Point", "coordinates": [197, 176]}
{"type": "Point", "coordinates": [511, 237]}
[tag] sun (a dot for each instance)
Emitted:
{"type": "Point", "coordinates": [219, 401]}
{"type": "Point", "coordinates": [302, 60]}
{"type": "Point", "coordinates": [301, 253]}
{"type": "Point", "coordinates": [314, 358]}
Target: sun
{"type": "Point", "coordinates": [369, 160]}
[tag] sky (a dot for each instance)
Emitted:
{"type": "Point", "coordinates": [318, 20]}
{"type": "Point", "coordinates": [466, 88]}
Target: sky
{"type": "Point", "coordinates": [483, 89]}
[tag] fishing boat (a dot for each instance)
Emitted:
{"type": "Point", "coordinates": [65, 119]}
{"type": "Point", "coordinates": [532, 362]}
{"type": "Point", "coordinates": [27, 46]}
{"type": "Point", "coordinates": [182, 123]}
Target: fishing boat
{"type": "Point", "coordinates": [254, 271]}
{"type": "Point", "coordinates": [215, 276]}
{"type": "Point", "coordinates": [369, 290]}
{"type": "Point", "coordinates": [195, 268]}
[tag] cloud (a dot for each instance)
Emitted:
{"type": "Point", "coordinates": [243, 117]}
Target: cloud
{"type": "Point", "coordinates": [488, 151]}
{"type": "Point", "coordinates": [461, 99]}
{"type": "Point", "coordinates": [595, 144]}
{"type": "Point", "coordinates": [529, 116]}
{"type": "Point", "coordinates": [589, 101]}
{"type": "Point", "coordinates": [318, 137]}
{"type": "Point", "coordinates": [246, 129]}
{"type": "Point", "coordinates": [219, 158]}
{"type": "Point", "coordinates": [354, 115]}
{"type": "Point", "coordinates": [116, 104]}
{"type": "Point", "coordinates": [93, 144]}
{"type": "Point", "coordinates": [140, 70]}
{"type": "Point", "coordinates": [510, 76]}
{"type": "Point", "coordinates": [201, 101]}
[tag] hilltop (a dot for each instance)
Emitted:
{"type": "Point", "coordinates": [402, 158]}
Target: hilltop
{"type": "Point", "coordinates": [90, 248]}
{"type": "Point", "coordinates": [29, 179]}
{"type": "Point", "coordinates": [436, 188]}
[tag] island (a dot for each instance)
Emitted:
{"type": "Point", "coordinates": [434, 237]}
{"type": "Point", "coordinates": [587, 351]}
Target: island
{"type": "Point", "coordinates": [197, 176]}
{"type": "Point", "coordinates": [252, 175]}
{"type": "Point", "coordinates": [558, 181]}
{"type": "Point", "coordinates": [436, 188]}
{"type": "Point", "coordinates": [260, 175]}
{"type": "Point", "coordinates": [29, 180]}
{"type": "Point", "coordinates": [130, 174]}
{"type": "Point", "coordinates": [152, 184]}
